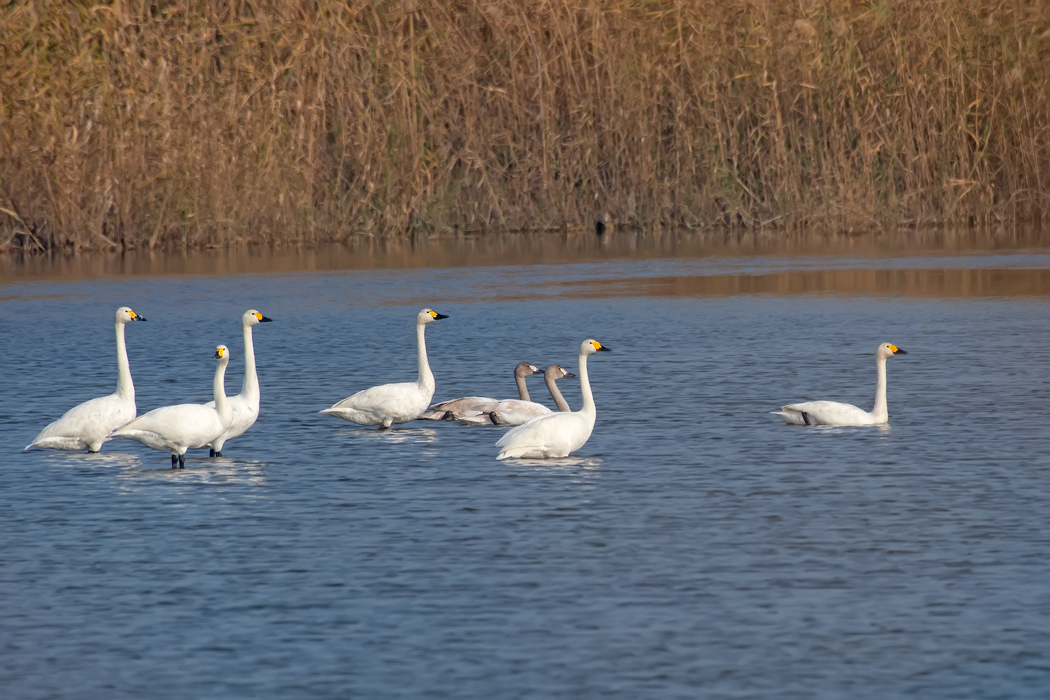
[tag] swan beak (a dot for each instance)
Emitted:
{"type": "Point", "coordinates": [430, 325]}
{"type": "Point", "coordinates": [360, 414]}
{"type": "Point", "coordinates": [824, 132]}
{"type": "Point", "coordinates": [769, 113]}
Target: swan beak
{"type": "Point", "coordinates": [570, 375]}
{"type": "Point", "coordinates": [136, 317]}
{"type": "Point", "coordinates": [218, 354]}
{"type": "Point", "coordinates": [438, 316]}
{"type": "Point", "coordinates": [897, 351]}
{"type": "Point", "coordinates": [604, 349]}
{"type": "Point", "coordinates": [263, 319]}
{"type": "Point", "coordinates": [539, 370]}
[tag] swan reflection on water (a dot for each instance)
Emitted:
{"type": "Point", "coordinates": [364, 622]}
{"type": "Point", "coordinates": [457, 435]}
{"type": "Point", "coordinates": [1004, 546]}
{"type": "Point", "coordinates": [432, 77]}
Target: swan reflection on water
{"type": "Point", "coordinates": [395, 436]}
{"type": "Point", "coordinates": [590, 466]}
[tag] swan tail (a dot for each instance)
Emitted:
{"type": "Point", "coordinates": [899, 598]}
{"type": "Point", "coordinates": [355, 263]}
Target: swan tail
{"type": "Point", "coordinates": [57, 443]}
{"type": "Point", "coordinates": [791, 416]}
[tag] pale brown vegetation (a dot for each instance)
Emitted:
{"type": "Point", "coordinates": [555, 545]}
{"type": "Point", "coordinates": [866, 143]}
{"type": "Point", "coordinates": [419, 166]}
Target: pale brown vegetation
{"type": "Point", "coordinates": [195, 123]}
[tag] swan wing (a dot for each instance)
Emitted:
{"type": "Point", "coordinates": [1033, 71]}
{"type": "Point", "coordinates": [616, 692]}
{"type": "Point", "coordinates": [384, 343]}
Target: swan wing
{"type": "Point", "coordinates": [554, 435]}
{"type": "Point", "coordinates": [517, 412]}
{"type": "Point", "coordinates": [825, 413]}
{"type": "Point", "coordinates": [87, 425]}
{"type": "Point", "coordinates": [383, 405]}
{"type": "Point", "coordinates": [454, 406]}
{"type": "Point", "coordinates": [172, 427]}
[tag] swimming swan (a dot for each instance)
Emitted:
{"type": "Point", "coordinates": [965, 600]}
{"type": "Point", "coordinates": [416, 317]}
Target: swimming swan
{"type": "Point", "coordinates": [176, 429]}
{"type": "Point", "coordinates": [834, 413]}
{"type": "Point", "coordinates": [558, 434]}
{"type": "Point", "coordinates": [245, 405]}
{"type": "Point", "coordinates": [87, 425]}
{"type": "Point", "coordinates": [454, 409]}
{"type": "Point", "coordinates": [512, 412]}
{"type": "Point", "coordinates": [393, 403]}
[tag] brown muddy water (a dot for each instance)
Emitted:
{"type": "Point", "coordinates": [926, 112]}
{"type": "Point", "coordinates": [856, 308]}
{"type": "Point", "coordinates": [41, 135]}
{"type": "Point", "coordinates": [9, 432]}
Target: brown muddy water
{"type": "Point", "coordinates": [694, 547]}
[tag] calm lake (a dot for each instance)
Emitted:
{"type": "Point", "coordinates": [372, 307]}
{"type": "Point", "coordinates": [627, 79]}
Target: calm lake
{"type": "Point", "coordinates": [694, 547]}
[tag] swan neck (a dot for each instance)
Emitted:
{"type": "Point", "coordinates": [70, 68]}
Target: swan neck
{"type": "Point", "coordinates": [125, 387]}
{"type": "Point", "coordinates": [250, 387]}
{"type": "Point", "coordinates": [585, 388]}
{"type": "Point", "coordinates": [222, 404]}
{"type": "Point", "coordinates": [523, 390]}
{"type": "Point", "coordinates": [559, 400]}
{"type": "Point", "coordinates": [880, 413]}
{"type": "Point", "coordinates": [426, 377]}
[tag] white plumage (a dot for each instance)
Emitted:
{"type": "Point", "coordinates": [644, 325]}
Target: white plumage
{"type": "Point", "coordinates": [245, 405]}
{"type": "Point", "coordinates": [557, 434]}
{"type": "Point", "coordinates": [176, 429]}
{"type": "Point", "coordinates": [86, 426]}
{"type": "Point", "coordinates": [387, 404]}
{"type": "Point", "coordinates": [844, 414]}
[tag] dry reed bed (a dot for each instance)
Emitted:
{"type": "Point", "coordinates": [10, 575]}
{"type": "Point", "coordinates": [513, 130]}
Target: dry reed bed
{"type": "Point", "coordinates": [199, 123]}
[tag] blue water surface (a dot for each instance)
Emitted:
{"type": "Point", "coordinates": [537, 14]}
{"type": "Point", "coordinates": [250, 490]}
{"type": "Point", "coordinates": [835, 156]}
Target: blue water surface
{"type": "Point", "coordinates": [695, 547]}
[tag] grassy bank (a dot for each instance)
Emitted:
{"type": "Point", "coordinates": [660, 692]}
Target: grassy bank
{"type": "Point", "coordinates": [146, 124]}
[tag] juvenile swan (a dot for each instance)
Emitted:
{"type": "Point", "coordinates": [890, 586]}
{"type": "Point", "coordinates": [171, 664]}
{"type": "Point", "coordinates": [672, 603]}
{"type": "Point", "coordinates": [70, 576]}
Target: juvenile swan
{"type": "Point", "coordinates": [87, 425]}
{"type": "Point", "coordinates": [393, 403]}
{"type": "Point", "coordinates": [511, 412]}
{"type": "Point", "coordinates": [834, 413]}
{"type": "Point", "coordinates": [455, 409]}
{"type": "Point", "coordinates": [176, 429]}
{"type": "Point", "coordinates": [245, 405]}
{"type": "Point", "coordinates": [558, 434]}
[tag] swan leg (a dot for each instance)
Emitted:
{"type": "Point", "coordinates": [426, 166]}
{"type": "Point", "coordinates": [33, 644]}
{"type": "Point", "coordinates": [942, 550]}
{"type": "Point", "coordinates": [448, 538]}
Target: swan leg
{"type": "Point", "coordinates": [219, 453]}
{"type": "Point", "coordinates": [211, 451]}
{"type": "Point", "coordinates": [182, 461]}
{"type": "Point", "coordinates": [174, 462]}
{"type": "Point", "coordinates": [805, 417]}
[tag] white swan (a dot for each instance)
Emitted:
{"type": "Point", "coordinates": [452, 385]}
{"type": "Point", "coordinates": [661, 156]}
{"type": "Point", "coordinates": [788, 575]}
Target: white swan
{"type": "Point", "coordinates": [176, 429]}
{"type": "Point", "coordinates": [515, 412]}
{"type": "Point", "coordinates": [387, 404]}
{"type": "Point", "coordinates": [558, 434]}
{"type": "Point", "coordinates": [87, 425]}
{"type": "Point", "coordinates": [455, 408]}
{"type": "Point", "coordinates": [245, 405]}
{"type": "Point", "coordinates": [834, 413]}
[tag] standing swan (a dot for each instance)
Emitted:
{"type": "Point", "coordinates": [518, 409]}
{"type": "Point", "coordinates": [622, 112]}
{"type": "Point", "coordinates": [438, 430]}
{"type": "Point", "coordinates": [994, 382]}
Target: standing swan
{"type": "Point", "coordinates": [455, 409]}
{"type": "Point", "coordinates": [387, 404]}
{"type": "Point", "coordinates": [558, 434]}
{"type": "Point", "coordinates": [834, 413]}
{"type": "Point", "coordinates": [87, 425]}
{"type": "Point", "coordinates": [176, 429]}
{"type": "Point", "coordinates": [245, 405]}
{"type": "Point", "coordinates": [512, 412]}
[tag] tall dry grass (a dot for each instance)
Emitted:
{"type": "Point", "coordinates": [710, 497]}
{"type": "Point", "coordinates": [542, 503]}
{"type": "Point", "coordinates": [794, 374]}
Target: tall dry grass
{"type": "Point", "coordinates": [153, 123]}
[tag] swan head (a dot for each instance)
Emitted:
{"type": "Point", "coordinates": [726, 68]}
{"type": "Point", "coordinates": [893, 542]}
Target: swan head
{"type": "Point", "coordinates": [126, 315]}
{"type": "Point", "coordinates": [222, 354]}
{"type": "Point", "coordinates": [526, 369]}
{"type": "Point", "coordinates": [590, 346]}
{"type": "Point", "coordinates": [254, 318]}
{"type": "Point", "coordinates": [557, 372]}
{"type": "Point", "coordinates": [888, 350]}
{"type": "Point", "coordinates": [427, 315]}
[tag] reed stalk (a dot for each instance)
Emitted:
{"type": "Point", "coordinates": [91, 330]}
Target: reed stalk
{"type": "Point", "coordinates": [197, 123]}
